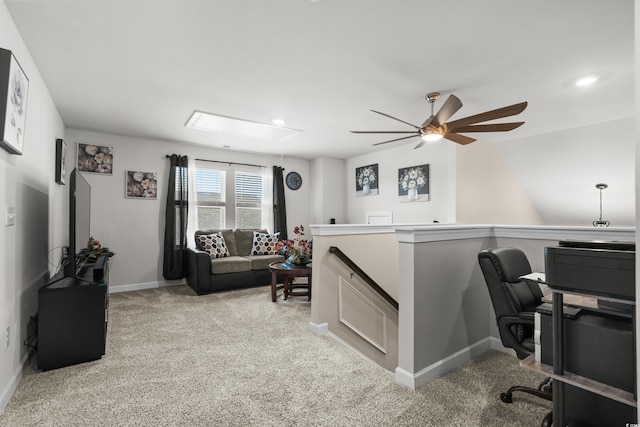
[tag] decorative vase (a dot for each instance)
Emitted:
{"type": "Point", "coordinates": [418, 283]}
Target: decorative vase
{"type": "Point", "coordinates": [366, 189]}
{"type": "Point", "coordinates": [412, 194]}
{"type": "Point", "coordinates": [296, 261]}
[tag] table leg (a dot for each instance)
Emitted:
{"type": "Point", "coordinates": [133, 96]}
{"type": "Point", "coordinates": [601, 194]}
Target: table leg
{"type": "Point", "coordinates": [274, 286]}
{"type": "Point", "coordinates": [309, 282]}
{"type": "Point", "coordinates": [286, 284]}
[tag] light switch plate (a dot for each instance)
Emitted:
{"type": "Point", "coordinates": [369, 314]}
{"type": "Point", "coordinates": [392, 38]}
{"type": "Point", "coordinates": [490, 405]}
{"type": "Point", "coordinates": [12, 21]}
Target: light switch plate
{"type": "Point", "coordinates": [11, 216]}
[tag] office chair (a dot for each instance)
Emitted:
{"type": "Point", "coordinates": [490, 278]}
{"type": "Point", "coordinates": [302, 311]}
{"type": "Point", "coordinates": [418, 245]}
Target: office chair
{"type": "Point", "coordinates": [514, 302]}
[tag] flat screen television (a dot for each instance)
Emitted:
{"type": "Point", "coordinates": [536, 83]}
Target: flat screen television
{"type": "Point", "coordinates": [79, 222]}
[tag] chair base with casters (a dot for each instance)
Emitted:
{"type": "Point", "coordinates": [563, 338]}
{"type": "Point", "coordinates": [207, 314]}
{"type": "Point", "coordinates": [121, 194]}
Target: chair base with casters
{"type": "Point", "coordinates": [543, 391]}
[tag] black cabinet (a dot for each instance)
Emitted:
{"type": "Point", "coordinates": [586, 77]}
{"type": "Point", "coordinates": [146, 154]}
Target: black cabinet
{"type": "Point", "coordinates": [72, 319]}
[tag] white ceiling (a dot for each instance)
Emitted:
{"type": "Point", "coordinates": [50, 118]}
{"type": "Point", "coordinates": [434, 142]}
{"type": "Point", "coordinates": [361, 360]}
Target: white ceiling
{"type": "Point", "coordinates": [141, 67]}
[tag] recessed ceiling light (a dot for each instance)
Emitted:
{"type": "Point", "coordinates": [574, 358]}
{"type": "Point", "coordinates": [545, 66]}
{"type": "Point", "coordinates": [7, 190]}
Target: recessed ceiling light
{"type": "Point", "coordinates": [586, 81]}
{"type": "Point", "coordinates": [230, 125]}
{"type": "Point", "coordinates": [278, 122]}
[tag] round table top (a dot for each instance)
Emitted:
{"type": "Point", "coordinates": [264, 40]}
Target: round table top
{"type": "Point", "coordinates": [284, 268]}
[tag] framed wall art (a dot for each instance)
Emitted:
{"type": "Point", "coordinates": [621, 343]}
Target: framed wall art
{"type": "Point", "coordinates": [413, 184]}
{"type": "Point", "coordinates": [14, 87]}
{"type": "Point", "coordinates": [141, 185]}
{"type": "Point", "coordinates": [367, 180]}
{"type": "Point", "coordinates": [61, 155]}
{"type": "Point", "coordinates": [95, 159]}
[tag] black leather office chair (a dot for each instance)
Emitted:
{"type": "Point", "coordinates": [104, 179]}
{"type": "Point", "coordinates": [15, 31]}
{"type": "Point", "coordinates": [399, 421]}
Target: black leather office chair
{"type": "Point", "coordinates": [514, 302]}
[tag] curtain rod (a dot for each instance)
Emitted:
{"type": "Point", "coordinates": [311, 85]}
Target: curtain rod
{"type": "Point", "coordinates": [232, 163]}
{"type": "Point", "coordinates": [229, 163]}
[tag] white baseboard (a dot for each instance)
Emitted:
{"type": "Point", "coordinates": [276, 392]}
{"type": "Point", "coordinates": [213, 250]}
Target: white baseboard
{"type": "Point", "coordinates": [323, 329]}
{"type": "Point", "coordinates": [15, 380]}
{"type": "Point", "coordinates": [318, 329]}
{"type": "Point", "coordinates": [438, 369]}
{"type": "Point", "coordinates": [140, 286]}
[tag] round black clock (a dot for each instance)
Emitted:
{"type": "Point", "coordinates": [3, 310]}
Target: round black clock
{"type": "Point", "coordinates": [293, 180]}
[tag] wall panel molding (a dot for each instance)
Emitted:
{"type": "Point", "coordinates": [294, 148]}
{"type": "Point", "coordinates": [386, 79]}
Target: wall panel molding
{"type": "Point", "coordinates": [361, 315]}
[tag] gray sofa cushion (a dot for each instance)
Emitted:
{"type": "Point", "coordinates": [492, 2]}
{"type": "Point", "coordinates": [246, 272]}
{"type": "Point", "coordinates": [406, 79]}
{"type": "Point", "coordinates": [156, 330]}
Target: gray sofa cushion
{"type": "Point", "coordinates": [232, 264]}
{"type": "Point", "coordinates": [244, 241]}
{"type": "Point", "coordinates": [260, 262]}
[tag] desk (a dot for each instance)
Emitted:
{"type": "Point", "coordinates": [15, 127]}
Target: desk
{"type": "Point", "coordinates": [591, 355]}
{"type": "Point", "coordinates": [288, 273]}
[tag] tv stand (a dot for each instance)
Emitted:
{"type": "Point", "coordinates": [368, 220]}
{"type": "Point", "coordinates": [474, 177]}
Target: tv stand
{"type": "Point", "coordinates": [73, 317]}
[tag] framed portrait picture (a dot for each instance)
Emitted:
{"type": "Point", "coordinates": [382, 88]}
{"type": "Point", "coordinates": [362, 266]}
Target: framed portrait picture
{"type": "Point", "coordinates": [413, 184]}
{"type": "Point", "coordinates": [367, 180]}
{"type": "Point", "coordinates": [141, 185]}
{"type": "Point", "coordinates": [61, 155]}
{"type": "Point", "coordinates": [14, 87]}
{"type": "Point", "coordinates": [95, 159]}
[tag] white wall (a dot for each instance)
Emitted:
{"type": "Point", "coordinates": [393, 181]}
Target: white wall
{"type": "Point", "coordinates": [559, 171]}
{"type": "Point", "coordinates": [134, 228]}
{"type": "Point", "coordinates": [442, 169]}
{"type": "Point", "coordinates": [487, 192]}
{"type": "Point", "coordinates": [27, 183]}
{"type": "Point", "coordinates": [328, 198]}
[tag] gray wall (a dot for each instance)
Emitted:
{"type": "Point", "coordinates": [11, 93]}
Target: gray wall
{"type": "Point", "coordinates": [134, 228]}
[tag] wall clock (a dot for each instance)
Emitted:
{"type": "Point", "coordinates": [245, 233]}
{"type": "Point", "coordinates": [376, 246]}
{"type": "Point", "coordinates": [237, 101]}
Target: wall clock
{"type": "Point", "coordinates": [293, 180]}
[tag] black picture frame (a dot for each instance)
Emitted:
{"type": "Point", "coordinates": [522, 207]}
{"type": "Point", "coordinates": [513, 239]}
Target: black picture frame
{"type": "Point", "coordinates": [14, 88]}
{"type": "Point", "coordinates": [61, 156]}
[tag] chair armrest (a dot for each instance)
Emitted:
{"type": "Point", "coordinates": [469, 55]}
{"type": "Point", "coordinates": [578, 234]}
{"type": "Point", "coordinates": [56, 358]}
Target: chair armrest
{"type": "Point", "coordinates": [525, 318]}
{"type": "Point", "coordinates": [198, 270]}
{"type": "Point", "coordinates": [507, 336]}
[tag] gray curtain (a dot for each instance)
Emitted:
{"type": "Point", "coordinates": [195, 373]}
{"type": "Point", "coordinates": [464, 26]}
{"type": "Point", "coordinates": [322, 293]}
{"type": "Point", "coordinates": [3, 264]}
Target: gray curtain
{"type": "Point", "coordinates": [175, 230]}
{"type": "Point", "coordinates": [279, 206]}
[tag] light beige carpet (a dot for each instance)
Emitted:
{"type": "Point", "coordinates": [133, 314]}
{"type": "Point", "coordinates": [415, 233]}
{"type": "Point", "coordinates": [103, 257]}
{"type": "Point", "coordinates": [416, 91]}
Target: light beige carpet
{"type": "Point", "coordinates": [237, 359]}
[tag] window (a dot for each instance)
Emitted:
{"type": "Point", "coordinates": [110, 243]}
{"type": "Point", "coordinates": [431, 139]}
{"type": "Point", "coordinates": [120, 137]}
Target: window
{"type": "Point", "coordinates": [232, 196]}
{"type": "Point", "coordinates": [210, 196]}
{"type": "Point", "coordinates": [248, 200]}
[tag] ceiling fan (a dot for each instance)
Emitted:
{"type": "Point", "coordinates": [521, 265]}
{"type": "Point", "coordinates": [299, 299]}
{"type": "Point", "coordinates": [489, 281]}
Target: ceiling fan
{"type": "Point", "coordinates": [436, 126]}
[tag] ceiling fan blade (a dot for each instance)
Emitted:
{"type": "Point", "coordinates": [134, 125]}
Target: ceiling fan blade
{"type": "Point", "coordinates": [397, 139]}
{"type": "Point", "coordinates": [395, 118]}
{"type": "Point", "coordinates": [448, 109]}
{"type": "Point", "coordinates": [383, 131]}
{"type": "Point", "coordinates": [496, 127]}
{"type": "Point", "coordinates": [420, 144]}
{"type": "Point", "coordinates": [428, 121]}
{"type": "Point", "coordinates": [460, 139]}
{"type": "Point", "coordinates": [498, 113]}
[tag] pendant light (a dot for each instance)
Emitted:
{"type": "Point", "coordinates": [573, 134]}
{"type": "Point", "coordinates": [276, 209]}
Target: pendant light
{"type": "Point", "coordinates": [599, 222]}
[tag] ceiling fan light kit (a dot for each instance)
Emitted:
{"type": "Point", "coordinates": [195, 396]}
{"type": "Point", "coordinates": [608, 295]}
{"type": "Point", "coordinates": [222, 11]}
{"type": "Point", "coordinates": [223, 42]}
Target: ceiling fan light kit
{"type": "Point", "coordinates": [436, 127]}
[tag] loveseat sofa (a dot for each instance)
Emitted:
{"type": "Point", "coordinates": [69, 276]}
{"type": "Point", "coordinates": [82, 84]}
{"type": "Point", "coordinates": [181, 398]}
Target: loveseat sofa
{"type": "Point", "coordinates": [230, 259]}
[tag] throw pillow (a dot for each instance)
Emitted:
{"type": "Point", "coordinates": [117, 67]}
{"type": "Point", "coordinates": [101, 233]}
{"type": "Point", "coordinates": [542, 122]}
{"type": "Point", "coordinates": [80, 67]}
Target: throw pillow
{"type": "Point", "coordinates": [214, 245]}
{"type": "Point", "coordinates": [264, 243]}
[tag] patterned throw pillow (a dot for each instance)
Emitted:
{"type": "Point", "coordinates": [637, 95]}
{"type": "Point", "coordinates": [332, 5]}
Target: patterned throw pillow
{"type": "Point", "coordinates": [214, 245]}
{"type": "Point", "coordinates": [264, 243]}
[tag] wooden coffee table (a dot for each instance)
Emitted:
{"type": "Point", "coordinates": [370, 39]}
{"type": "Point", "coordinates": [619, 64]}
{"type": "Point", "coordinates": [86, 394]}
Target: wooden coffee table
{"type": "Point", "coordinates": [288, 273]}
